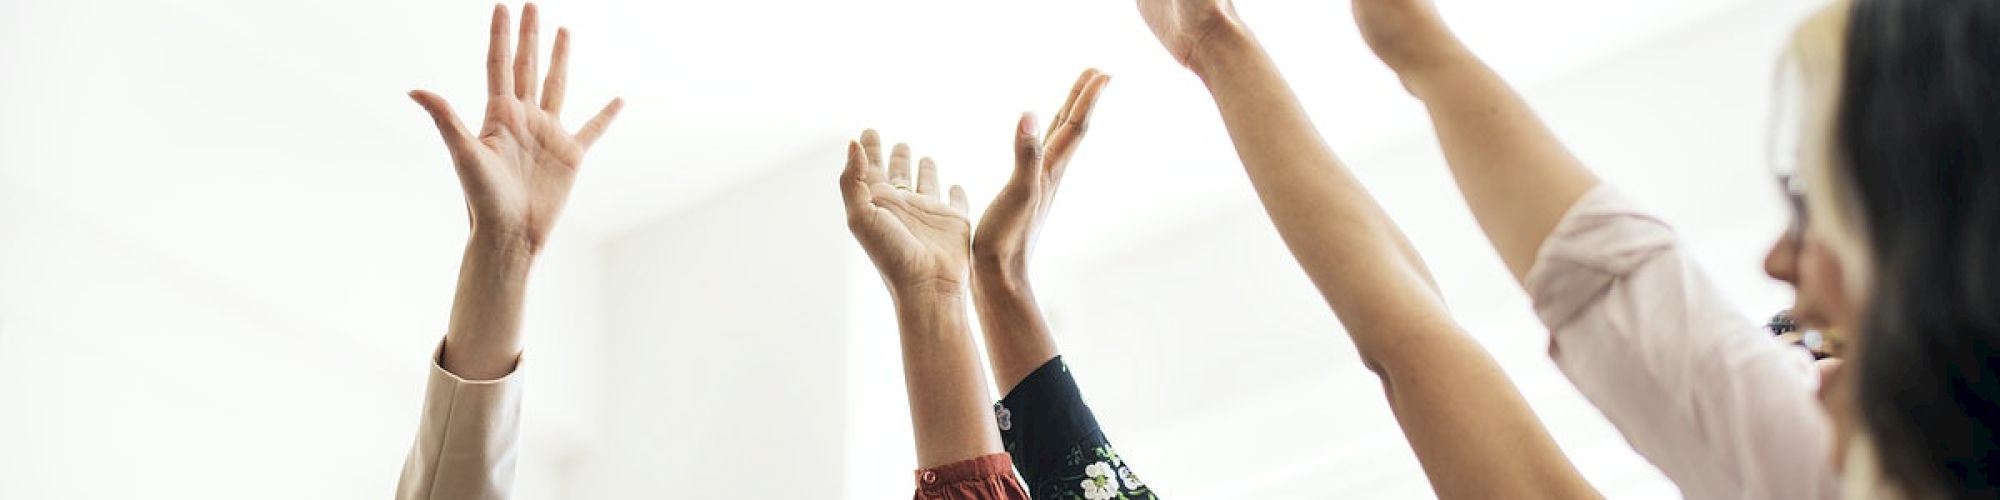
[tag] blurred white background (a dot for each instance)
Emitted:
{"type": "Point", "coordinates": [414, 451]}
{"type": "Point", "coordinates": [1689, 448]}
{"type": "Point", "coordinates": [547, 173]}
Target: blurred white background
{"type": "Point", "coordinates": [228, 241]}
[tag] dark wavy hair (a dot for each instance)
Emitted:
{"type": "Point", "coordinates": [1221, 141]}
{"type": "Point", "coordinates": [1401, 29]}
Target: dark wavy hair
{"type": "Point", "coordinates": [1917, 139]}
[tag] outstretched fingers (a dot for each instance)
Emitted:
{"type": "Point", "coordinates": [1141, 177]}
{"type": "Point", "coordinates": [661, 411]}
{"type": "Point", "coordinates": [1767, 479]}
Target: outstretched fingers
{"type": "Point", "coordinates": [527, 57]}
{"type": "Point", "coordinates": [871, 150]}
{"type": "Point", "coordinates": [456, 138]}
{"type": "Point", "coordinates": [558, 78]}
{"type": "Point", "coordinates": [1074, 122]}
{"type": "Point", "coordinates": [854, 181]}
{"type": "Point", "coordinates": [927, 180]}
{"type": "Point", "coordinates": [594, 129]}
{"type": "Point", "coordinates": [499, 79]}
{"type": "Point", "coordinates": [899, 166]}
{"type": "Point", "coordinates": [1075, 90]}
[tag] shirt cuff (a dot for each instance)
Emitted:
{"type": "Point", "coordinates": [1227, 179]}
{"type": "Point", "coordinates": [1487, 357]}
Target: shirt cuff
{"type": "Point", "coordinates": [1044, 417]}
{"type": "Point", "coordinates": [467, 438]}
{"type": "Point", "coordinates": [1602, 237]}
{"type": "Point", "coordinates": [989, 477]}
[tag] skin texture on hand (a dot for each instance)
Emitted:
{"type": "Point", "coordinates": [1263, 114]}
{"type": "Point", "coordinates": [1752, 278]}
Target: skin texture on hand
{"type": "Point", "coordinates": [1472, 431]}
{"type": "Point", "coordinates": [516, 172]}
{"type": "Point", "coordinates": [914, 238]}
{"type": "Point", "coordinates": [1017, 336]}
{"type": "Point", "coordinates": [1185, 27]}
{"type": "Point", "coordinates": [922, 248]}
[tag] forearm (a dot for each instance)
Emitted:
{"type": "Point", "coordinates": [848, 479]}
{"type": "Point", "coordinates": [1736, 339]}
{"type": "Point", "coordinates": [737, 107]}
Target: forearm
{"type": "Point", "coordinates": [1346, 243]}
{"type": "Point", "coordinates": [484, 339]}
{"type": "Point", "coordinates": [948, 396]}
{"type": "Point", "coordinates": [1018, 340]}
{"type": "Point", "coordinates": [1471, 429]}
{"type": "Point", "coordinates": [1517, 177]}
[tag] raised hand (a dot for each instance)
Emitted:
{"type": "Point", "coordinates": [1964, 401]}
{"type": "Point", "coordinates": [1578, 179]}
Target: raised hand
{"type": "Point", "coordinates": [922, 247]}
{"type": "Point", "coordinates": [517, 171]}
{"type": "Point", "coordinates": [1017, 337]}
{"type": "Point", "coordinates": [1007, 231]}
{"type": "Point", "coordinates": [1183, 26]}
{"type": "Point", "coordinates": [917, 242]}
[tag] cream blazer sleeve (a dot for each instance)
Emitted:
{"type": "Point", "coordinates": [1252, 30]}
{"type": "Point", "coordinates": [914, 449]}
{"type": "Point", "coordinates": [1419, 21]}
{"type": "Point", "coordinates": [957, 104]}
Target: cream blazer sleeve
{"type": "Point", "coordinates": [467, 439]}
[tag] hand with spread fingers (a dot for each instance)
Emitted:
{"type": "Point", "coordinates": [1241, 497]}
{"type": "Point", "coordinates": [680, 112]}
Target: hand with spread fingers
{"type": "Point", "coordinates": [518, 167]}
{"type": "Point", "coordinates": [1007, 230]}
{"type": "Point", "coordinates": [516, 171]}
{"type": "Point", "coordinates": [917, 241]}
{"type": "Point", "coordinates": [1018, 339]}
{"type": "Point", "coordinates": [922, 246]}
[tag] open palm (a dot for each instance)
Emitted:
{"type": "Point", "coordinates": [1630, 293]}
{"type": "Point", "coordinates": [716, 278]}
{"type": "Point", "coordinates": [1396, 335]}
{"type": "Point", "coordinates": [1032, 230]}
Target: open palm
{"type": "Point", "coordinates": [1181, 25]}
{"type": "Point", "coordinates": [518, 169]}
{"type": "Point", "coordinates": [1007, 230]}
{"type": "Point", "coordinates": [912, 235]}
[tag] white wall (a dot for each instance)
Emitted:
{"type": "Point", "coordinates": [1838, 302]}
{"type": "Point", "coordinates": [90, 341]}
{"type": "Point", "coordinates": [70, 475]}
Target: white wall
{"type": "Point", "coordinates": [727, 350]}
{"type": "Point", "coordinates": [206, 293]}
{"type": "Point", "coordinates": [127, 371]}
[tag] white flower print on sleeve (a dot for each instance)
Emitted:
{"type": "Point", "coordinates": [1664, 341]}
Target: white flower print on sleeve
{"type": "Point", "coordinates": [1131, 480]}
{"type": "Point", "coordinates": [1098, 484]}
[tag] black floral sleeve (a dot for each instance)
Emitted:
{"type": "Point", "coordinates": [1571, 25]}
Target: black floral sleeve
{"type": "Point", "coordinates": [1056, 443]}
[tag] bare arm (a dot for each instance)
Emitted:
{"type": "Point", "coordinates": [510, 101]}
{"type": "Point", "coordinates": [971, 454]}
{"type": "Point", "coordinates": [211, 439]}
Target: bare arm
{"type": "Point", "coordinates": [922, 247]}
{"type": "Point", "coordinates": [484, 338]}
{"type": "Point", "coordinates": [516, 171]}
{"type": "Point", "coordinates": [1017, 336]}
{"type": "Point", "coordinates": [1518, 179]}
{"type": "Point", "coordinates": [1473, 432]}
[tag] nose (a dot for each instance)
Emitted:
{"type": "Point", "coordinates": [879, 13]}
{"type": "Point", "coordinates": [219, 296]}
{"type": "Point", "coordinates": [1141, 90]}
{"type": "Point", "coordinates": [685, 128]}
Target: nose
{"type": "Point", "coordinates": [1782, 262]}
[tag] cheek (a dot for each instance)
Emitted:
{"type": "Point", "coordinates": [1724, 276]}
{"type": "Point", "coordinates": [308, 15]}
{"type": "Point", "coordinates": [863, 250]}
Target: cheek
{"type": "Point", "coordinates": [1822, 288]}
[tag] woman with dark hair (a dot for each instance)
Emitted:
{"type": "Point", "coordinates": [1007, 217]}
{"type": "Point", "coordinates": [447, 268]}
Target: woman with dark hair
{"type": "Point", "coordinates": [1888, 127]}
{"type": "Point", "coordinates": [1696, 387]}
{"type": "Point", "coordinates": [1916, 189]}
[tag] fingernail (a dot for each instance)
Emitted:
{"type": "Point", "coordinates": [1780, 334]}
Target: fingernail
{"type": "Point", "coordinates": [1027, 123]}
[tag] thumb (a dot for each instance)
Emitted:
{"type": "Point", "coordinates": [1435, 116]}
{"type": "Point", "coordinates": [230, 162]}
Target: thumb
{"type": "Point", "coordinates": [455, 136]}
{"type": "Point", "coordinates": [1027, 150]}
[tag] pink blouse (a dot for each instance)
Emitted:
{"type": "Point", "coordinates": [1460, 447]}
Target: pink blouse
{"type": "Point", "coordinates": [1697, 388]}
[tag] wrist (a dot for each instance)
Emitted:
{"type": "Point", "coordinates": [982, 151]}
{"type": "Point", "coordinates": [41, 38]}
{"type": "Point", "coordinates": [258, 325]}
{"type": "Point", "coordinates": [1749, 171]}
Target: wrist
{"type": "Point", "coordinates": [927, 291]}
{"type": "Point", "coordinates": [999, 280]}
{"type": "Point", "coordinates": [1224, 40]}
{"type": "Point", "coordinates": [989, 265]}
{"type": "Point", "coordinates": [502, 245]}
